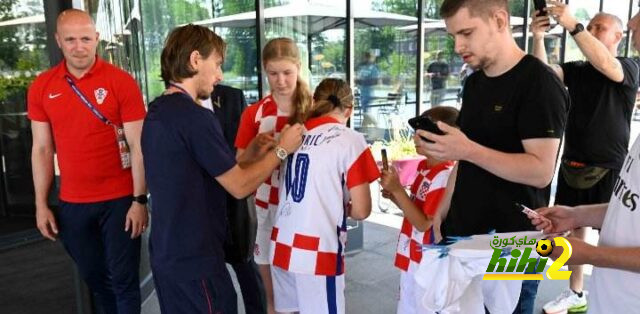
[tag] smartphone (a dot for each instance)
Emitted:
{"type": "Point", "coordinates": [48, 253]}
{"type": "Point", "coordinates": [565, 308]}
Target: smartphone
{"type": "Point", "coordinates": [528, 211]}
{"type": "Point", "coordinates": [539, 5]}
{"type": "Point", "coordinates": [425, 123]}
{"type": "Point", "coordinates": [385, 161]}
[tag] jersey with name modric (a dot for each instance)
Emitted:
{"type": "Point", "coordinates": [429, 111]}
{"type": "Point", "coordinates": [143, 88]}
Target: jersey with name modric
{"type": "Point", "coordinates": [310, 224]}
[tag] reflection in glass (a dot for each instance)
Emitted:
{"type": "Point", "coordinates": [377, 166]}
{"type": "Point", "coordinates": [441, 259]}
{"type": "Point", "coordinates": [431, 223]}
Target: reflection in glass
{"type": "Point", "coordinates": [22, 57]}
{"type": "Point", "coordinates": [583, 11]}
{"type": "Point", "coordinates": [318, 29]}
{"type": "Point", "coordinates": [385, 72]}
{"type": "Point", "coordinates": [234, 21]}
{"type": "Point", "coordinates": [160, 17]}
{"type": "Point", "coordinates": [119, 26]}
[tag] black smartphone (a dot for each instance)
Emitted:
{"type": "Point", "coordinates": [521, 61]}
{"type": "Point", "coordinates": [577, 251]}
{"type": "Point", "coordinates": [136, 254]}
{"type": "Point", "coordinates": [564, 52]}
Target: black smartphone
{"type": "Point", "coordinates": [385, 161]}
{"type": "Point", "coordinates": [424, 123]}
{"type": "Point", "coordinates": [539, 5]}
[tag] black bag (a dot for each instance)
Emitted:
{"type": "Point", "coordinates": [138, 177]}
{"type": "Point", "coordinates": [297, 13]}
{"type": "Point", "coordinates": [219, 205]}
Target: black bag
{"type": "Point", "coordinates": [241, 233]}
{"type": "Point", "coordinates": [581, 176]}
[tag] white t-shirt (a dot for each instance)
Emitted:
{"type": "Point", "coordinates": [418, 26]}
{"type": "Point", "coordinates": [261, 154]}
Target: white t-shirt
{"type": "Point", "coordinates": [453, 283]}
{"type": "Point", "coordinates": [614, 290]}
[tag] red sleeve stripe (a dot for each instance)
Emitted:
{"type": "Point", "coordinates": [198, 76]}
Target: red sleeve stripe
{"type": "Point", "coordinates": [363, 170]}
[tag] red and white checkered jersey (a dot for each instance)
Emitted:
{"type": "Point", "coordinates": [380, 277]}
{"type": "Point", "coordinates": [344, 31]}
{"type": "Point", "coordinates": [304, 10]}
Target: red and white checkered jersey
{"type": "Point", "coordinates": [427, 192]}
{"type": "Point", "coordinates": [262, 117]}
{"type": "Point", "coordinates": [310, 230]}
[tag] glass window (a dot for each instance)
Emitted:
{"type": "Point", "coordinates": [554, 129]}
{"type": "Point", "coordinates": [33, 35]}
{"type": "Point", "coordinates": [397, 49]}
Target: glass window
{"type": "Point", "coordinates": [516, 8]}
{"type": "Point", "coordinates": [23, 55]}
{"type": "Point", "coordinates": [619, 8]}
{"type": "Point", "coordinates": [442, 65]}
{"type": "Point", "coordinates": [159, 18]}
{"type": "Point", "coordinates": [235, 22]}
{"type": "Point", "coordinates": [119, 25]}
{"type": "Point", "coordinates": [385, 67]}
{"type": "Point", "coordinates": [632, 51]}
{"type": "Point", "coordinates": [584, 11]}
{"type": "Point", "coordinates": [318, 28]}
{"type": "Point", "coordinates": [552, 38]}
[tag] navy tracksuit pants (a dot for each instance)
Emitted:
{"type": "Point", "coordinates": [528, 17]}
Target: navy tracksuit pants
{"type": "Point", "coordinates": [106, 256]}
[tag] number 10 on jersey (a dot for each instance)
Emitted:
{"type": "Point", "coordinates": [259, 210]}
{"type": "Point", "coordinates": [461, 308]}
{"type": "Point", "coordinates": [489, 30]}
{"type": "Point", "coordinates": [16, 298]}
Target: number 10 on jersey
{"type": "Point", "coordinates": [296, 182]}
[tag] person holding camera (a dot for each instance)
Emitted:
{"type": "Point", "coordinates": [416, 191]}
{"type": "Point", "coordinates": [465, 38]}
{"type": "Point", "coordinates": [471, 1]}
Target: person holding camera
{"type": "Point", "coordinates": [603, 91]}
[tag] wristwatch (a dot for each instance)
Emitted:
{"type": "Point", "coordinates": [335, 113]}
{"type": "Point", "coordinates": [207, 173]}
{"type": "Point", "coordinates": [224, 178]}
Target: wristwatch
{"type": "Point", "coordinates": [577, 29]}
{"type": "Point", "coordinates": [141, 199]}
{"type": "Point", "coordinates": [281, 152]}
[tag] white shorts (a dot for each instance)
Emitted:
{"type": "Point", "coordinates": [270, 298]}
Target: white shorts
{"type": "Point", "coordinates": [410, 300]}
{"type": "Point", "coordinates": [307, 294]}
{"type": "Point", "coordinates": [263, 233]}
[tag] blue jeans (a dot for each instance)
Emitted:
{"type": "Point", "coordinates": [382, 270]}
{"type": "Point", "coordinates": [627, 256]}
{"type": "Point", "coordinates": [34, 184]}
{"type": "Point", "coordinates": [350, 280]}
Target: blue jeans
{"type": "Point", "coordinates": [527, 297]}
{"type": "Point", "coordinates": [528, 293]}
{"type": "Point", "coordinates": [106, 256]}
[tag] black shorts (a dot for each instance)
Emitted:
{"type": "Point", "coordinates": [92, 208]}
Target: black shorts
{"type": "Point", "coordinates": [599, 193]}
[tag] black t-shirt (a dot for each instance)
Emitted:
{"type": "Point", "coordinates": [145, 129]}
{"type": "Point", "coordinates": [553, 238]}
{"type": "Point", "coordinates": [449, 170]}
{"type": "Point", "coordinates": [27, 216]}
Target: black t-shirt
{"type": "Point", "coordinates": [598, 124]}
{"type": "Point", "coordinates": [184, 150]}
{"type": "Point", "coordinates": [526, 102]}
{"type": "Point", "coordinates": [440, 72]}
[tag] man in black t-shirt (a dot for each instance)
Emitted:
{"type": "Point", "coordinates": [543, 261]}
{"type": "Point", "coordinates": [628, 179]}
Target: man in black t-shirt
{"type": "Point", "coordinates": [602, 91]}
{"type": "Point", "coordinates": [511, 121]}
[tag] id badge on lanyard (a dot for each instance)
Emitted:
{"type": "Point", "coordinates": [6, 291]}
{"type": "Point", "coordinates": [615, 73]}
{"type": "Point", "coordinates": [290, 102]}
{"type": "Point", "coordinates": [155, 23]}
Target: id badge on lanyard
{"type": "Point", "coordinates": [121, 140]}
{"type": "Point", "coordinates": [123, 147]}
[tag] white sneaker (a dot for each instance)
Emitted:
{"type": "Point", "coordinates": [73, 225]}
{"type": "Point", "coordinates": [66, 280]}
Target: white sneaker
{"type": "Point", "coordinates": [567, 301]}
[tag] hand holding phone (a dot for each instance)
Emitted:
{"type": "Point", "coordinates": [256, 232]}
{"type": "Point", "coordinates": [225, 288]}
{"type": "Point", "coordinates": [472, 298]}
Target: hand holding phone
{"type": "Point", "coordinates": [425, 123]}
{"type": "Point", "coordinates": [530, 212]}
{"type": "Point", "coordinates": [539, 5]}
{"type": "Point", "coordinates": [385, 161]}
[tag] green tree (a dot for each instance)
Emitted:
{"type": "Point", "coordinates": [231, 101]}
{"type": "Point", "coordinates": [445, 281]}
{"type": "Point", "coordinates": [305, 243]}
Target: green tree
{"type": "Point", "coordinates": [406, 7]}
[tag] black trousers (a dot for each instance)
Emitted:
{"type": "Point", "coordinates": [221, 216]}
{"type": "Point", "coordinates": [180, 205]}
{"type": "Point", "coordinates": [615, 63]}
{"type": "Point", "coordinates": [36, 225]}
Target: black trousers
{"type": "Point", "coordinates": [251, 286]}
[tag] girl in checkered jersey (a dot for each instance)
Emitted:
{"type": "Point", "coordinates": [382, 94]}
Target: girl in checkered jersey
{"type": "Point", "coordinates": [427, 191]}
{"type": "Point", "coordinates": [329, 173]}
{"type": "Point", "coordinates": [262, 123]}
